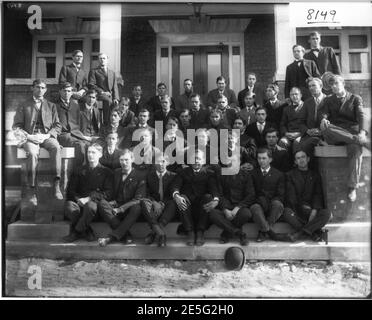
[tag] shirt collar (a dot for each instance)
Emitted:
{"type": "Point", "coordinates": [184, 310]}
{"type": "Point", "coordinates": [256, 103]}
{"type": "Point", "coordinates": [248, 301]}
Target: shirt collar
{"type": "Point", "coordinates": [127, 174]}
{"type": "Point", "coordinates": [267, 170]}
{"type": "Point", "coordinates": [161, 174]}
{"type": "Point", "coordinates": [37, 100]}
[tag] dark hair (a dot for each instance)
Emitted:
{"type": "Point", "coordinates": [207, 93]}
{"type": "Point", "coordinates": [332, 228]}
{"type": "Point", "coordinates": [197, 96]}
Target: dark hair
{"type": "Point", "coordinates": [116, 109]}
{"type": "Point", "coordinates": [92, 91]}
{"type": "Point", "coordinates": [265, 150]}
{"type": "Point", "coordinates": [38, 81]}
{"type": "Point", "coordinates": [260, 108]}
{"type": "Point", "coordinates": [188, 80]}
{"type": "Point", "coordinates": [161, 84]}
{"type": "Point", "coordinates": [173, 119]}
{"type": "Point", "coordinates": [194, 95]}
{"type": "Point", "coordinates": [219, 78]}
{"type": "Point", "coordinates": [184, 110]}
{"type": "Point", "coordinates": [271, 130]}
{"type": "Point", "coordinates": [251, 73]}
{"type": "Point", "coordinates": [65, 85]}
{"type": "Point", "coordinates": [97, 146]}
{"type": "Point", "coordinates": [76, 52]}
{"type": "Point", "coordinates": [144, 110]}
{"type": "Point", "coordinates": [241, 118]}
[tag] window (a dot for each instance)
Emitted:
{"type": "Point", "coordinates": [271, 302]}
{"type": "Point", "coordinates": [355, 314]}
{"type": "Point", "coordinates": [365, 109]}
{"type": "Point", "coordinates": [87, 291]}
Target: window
{"type": "Point", "coordinates": [351, 45]}
{"type": "Point", "coordinates": [52, 52]}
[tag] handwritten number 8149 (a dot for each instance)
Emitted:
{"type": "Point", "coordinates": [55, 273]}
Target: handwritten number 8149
{"type": "Point", "coordinates": [319, 14]}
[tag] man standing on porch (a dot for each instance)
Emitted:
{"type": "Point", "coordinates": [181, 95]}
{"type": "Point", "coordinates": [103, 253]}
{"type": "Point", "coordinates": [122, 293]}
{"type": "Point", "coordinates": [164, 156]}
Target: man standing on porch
{"type": "Point", "coordinates": [103, 80]}
{"type": "Point", "coordinates": [75, 74]}
{"type": "Point", "coordinates": [221, 90]}
{"type": "Point", "coordinates": [184, 100]}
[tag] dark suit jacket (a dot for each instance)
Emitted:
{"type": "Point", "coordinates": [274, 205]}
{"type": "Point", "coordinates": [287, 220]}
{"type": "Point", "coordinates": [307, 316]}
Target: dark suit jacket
{"type": "Point", "coordinates": [228, 117]}
{"type": "Point", "coordinates": [281, 160]}
{"type": "Point", "coordinates": [136, 107]}
{"type": "Point", "coordinates": [291, 76]}
{"type": "Point", "coordinates": [350, 115]}
{"type": "Point", "coordinates": [99, 81]}
{"type": "Point", "coordinates": [248, 143]}
{"type": "Point", "coordinates": [259, 138]}
{"type": "Point", "coordinates": [78, 79]}
{"type": "Point", "coordinates": [110, 161]}
{"type": "Point", "coordinates": [303, 190]}
{"type": "Point", "coordinates": [257, 90]}
{"type": "Point", "coordinates": [213, 95]}
{"type": "Point", "coordinates": [292, 120]}
{"type": "Point", "coordinates": [69, 117]}
{"type": "Point", "coordinates": [86, 123]}
{"type": "Point", "coordinates": [182, 102]}
{"type": "Point", "coordinates": [25, 117]}
{"type": "Point", "coordinates": [128, 119]}
{"type": "Point", "coordinates": [195, 186]}
{"type": "Point", "coordinates": [127, 141]}
{"type": "Point", "coordinates": [160, 116]}
{"type": "Point", "coordinates": [271, 187]}
{"type": "Point", "coordinates": [200, 118]}
{"type": "Point", "coordinates": [236, 190]}
{"type": "Point", "coordinates": [96, 183]}
{"type": "Point", "coordinates": [312, 117]}
{"type": "Point", "coordinates": [152, 185]}
{"type": "Point", "coordinates": [275, 112]}
{"type": "Point", "coordinates": [153, 104]}
{"type": "Point", "coordinates": [326, 60]}
{"type": "Point", "coordinates": [134, 188]}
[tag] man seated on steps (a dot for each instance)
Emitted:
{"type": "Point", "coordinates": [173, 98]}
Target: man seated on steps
{"type": "Point", "coordinates": [195, 193]}
{"type": "Point", "coordinates": [236, 197]}
{"type": "Point", "coordinates": [37, 120]}
{"type": "Point", "coordinates": [304, 209]}
{"type": "Point", "coordinates": [111, 154]}
{"type": "Point", "coordinates": [158, 207]}
{"type": "Point", "coordinates": [87, 186]}
{"type": "Point", "coordinates": [269, 187]}
{"type": "Point", "coordinates": [344, 123]}
{"type": "Point", "coordinates": [122, 212]}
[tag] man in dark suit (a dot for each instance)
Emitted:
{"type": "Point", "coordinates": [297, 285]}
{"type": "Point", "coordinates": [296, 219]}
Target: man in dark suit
{"type": "Point", "coordinates": [256, 130]}
{"type": "Point", "coordinates": [184, 100]}
{"type": "Point", "coordinates": [127, 116]}
{"type": "Point", "coordinates": [246, 142]}
{"type": "Point", "coordinates": [282, 159]}
{"type": "Point", "coordinates": [304, 209]}
{"type": "Point", "coordinates": [124, 210]}
{"type": "Point", "coordinates": [137, 102]}
{"type": "Point", "coordinates": [298, 72]}
{"type": "Point", "coordinates": [324, 57]}
{"type": "Point", "coordinates": [221, 90]}
{"type": "Point", "coordinates": [90, 117]}
{"type": "Point", "coordinates": [269, 185]}
{"type": "Point", "coordinates": [228, 114]}
{"type": "Point", "coordinates": [195, 193]}
{"type": "Point", "coordinates": [87, 186]}
{"type": "Point", "coordinates": [158, 207]}
{"type": "Point", "coordinates": [344, 122]}
{"type": "Point", "coordinates": [199, 114]}
{"type": "Point", "coordinates": [111, 154]}
{"type": "Point", "coordinates": [104, 81]}
{"type": "Point", "coordinates": [236, 197]}
{"type": "Point", "coordinates": [75, 75]}
{"type": "Point", "coordinates": [165, 113]}
{"type": "Point", "coordinates": [248, 112]}
{"type": "Point", "coordinates": [252, 87]}
{"type": "Point", "coordinates": [154, 103]}
{"type": "Point", "coordinates": [69, 116]}
{"type": "Point", "coordinates": [38, 121]}
{"type": "Point", "coordinates": [273, 105]}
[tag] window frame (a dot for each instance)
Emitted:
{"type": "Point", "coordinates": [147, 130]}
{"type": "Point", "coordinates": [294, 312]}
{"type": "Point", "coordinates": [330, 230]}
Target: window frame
{"type": "Point", "coordinates": [344, 50]}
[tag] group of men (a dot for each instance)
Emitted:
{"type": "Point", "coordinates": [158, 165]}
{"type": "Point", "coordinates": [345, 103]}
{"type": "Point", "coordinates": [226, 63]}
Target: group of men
{"type": "Point", "coordinates": [272, 146]}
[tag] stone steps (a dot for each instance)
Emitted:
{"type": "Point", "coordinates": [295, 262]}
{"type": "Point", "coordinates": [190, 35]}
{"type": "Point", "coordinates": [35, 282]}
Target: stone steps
{"type": "Point", "coordinates": [338, 232]}
{"type": "Point", "coordinates": [177, 250]}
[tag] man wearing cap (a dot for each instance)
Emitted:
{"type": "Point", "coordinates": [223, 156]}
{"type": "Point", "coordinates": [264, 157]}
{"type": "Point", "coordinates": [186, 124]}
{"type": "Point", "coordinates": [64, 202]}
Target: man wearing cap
{"type": "Point", "coordinates": [324, 57]}
{"type": "Point", "coordinates": [104, 81]}
{"type": "Point", "coordinates": [344, 122]}
{"type": "Point", "coordinates": [69, 116]}
{"type": "Point", "coordinates": [304, 208]}
{"type": "Point", "coordinates": [38, 120]}
{"type": "Point", "coordinates": [75, 75]}
{"type": "Point", "coordinates": [298, 72]}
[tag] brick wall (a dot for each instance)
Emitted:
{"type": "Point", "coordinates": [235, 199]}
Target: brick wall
{"type": "Point", "coordinates": [259, 47]}
{"type": "Point", "coordinates": [138, 55]}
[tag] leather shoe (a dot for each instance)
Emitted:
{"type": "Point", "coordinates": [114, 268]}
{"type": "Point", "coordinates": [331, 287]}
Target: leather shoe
{"type": "Point", "coordinates": [103, 242]}
{"type": "Point", "coordinates": [71, 237]}
{"type": "Point", "coordinates": [162, 242]}
{"type": "Point", "coordinates": [150, 238]}
{"type": "Point", "coordinates": [199, 238]}
{"type": "Point", "coordinates": [243, 239]}
{"type": "Point", "coordinates": [57, 191]}
{"type": "Point", "coordinates": [89, 235]}
{"type": "Point", "coordinates": [224, 237]}
{"type": "Point", "coordinates": [190, 238]}
{"type": "Point", "coordinates": [262, 236]}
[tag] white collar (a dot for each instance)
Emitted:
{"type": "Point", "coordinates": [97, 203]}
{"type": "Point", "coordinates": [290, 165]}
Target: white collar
{"type": "Point", "coordinates": [161, 174]}
{"type": "Point", "coordinates": [267, 170]}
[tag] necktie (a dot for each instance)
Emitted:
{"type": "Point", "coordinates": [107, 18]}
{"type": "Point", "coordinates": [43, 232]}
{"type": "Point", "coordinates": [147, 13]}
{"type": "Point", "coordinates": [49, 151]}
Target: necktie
{"type": "Point", "coordinates": [260, 127]}
{"type": "Point", "coordinates": [264, 173]}
{"type": "Point", "coordinates": [124, 176]}
{"type": "Point", "coordinates": [315, 50]}
{"type": "Point", "coordinates": [161, 192]}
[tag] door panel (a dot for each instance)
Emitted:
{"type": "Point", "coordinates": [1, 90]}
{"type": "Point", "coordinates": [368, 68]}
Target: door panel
{"type": "Point", "coordinates": [202, 64]}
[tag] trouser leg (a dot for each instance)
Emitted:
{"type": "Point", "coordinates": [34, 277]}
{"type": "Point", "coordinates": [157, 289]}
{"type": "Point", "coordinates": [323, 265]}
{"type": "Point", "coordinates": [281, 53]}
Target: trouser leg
{"type": "Point", "coordinates": [186, 216]}
{"type": "Point", "coordinates": [243, 216]}
{"type": "Point", "coordinates": [105, 212]}
{"type": "Point", "coordinates": [89, 213]}
{"type": "Point", "coordinates": [200, 216]}
{"type": "Point", "coordinates": [169, 212]}
{"type": "Point", "coordinates": [354, 152]}
{"type": "Point", "coordinates": [321, 219]}
{"type": "Point", "coordinates": [72, 212]}
{"type": "Point", "coordinates": [218, 218]}
{"type": "Point", "coordinates": [54, 149]}
{"type": "Point", "coordinates": [276, 210]}
{"type": "Point", "coordinates": [32, 151]}
{"type": "Point", "coordinates": [106, 108]}
{"type": "Point", "coordinates": [293, 219]}
{"type": "Point", "coordinates": [129, 220]}
{"type": "Point", "coordinates": [259, 217]}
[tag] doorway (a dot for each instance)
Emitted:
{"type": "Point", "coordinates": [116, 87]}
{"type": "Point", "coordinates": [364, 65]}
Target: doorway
{"type": "Point", "coordinates": [202, 64]}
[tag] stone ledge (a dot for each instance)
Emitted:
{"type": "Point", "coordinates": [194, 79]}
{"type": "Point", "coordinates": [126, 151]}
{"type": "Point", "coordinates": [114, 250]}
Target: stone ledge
{"type": "Point", "coordinates": [335, 152]}
{"type": "Point", "coordinates": [66, 153]}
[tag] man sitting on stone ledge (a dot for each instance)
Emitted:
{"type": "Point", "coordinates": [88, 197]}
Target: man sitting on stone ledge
{"type": "Point", "coordinates": [87, 186]}
{"type": "Point", "coordinates": [344, 122]}
{"type": "Point", "coordinates": [37, 119]}
{"type": "Point", "coordinates": [304, 209]}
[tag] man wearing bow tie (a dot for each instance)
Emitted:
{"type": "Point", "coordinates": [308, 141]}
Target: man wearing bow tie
{"type": "Point", "coordinates": [75, 75]}
{"type": "Point", "coordinates": [344, 122]}
{"type": "Point", "coordinates": [38, 120]}
{"type": "Point", "coordinates": [298, 72]}
{"type": "Point", "coordinates": [103, 80]}
{"type": "Point", "coordinates": [324, 57]}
